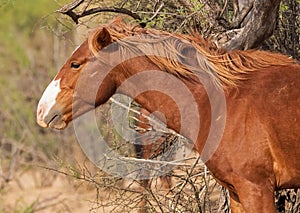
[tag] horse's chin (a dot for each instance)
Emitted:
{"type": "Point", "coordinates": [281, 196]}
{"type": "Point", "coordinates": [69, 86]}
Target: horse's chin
{"type": "Point", "coordinates": [58, 124]}
{"type": "Point", "coordinates": [55, 123]}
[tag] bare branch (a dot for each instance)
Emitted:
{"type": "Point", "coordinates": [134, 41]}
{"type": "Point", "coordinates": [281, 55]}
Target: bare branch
{"type": "Point", "coordinates": [224, 8]}
{"type": "Point", "coordinates": [87, 5]}
{"type": "Point", "coordinates": [68, 10]}
{"type": "Point", "coordinates": [149, 161]}
{"type": "Point", "coordinates": [154, 122]}
{"type": "Point", "coordinates": [71, 6]}
{"type": "Point", "coordinates": [157, 11]}
{"type": "Point", "coordinates": [113, 9]}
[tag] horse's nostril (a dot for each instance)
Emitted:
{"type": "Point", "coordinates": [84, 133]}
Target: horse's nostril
{"type": "Point", "coordinates": [40, 112]}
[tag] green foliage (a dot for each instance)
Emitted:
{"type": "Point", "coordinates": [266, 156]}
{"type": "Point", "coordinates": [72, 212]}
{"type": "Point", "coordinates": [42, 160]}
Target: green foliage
{"type": "Point", "coordinates": [25, 60]}
{"type": "Point", "coordinates": [198, 6]}
{"type": "Point", "coordinates": [19, 21]}
{"type": "Point", "coordinates": [286, 34]}
{"type": "Point", "coordinates": [22, 15]}
{"type": "Point", "coordinates": [283, 7]}
{"type": "Point", "coordinates": [25, 209]}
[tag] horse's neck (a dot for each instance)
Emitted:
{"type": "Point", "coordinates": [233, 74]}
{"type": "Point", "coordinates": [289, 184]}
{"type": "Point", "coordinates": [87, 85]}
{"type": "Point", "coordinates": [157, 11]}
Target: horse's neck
{"type": "Point", "coordinates": [179, 107]}
{"type": "Point", "coordinates": [181, 102]}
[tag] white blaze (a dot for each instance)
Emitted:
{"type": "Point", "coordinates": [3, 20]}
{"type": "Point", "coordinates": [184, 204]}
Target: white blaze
{"type": "Point", "coordinates": [48, 99]}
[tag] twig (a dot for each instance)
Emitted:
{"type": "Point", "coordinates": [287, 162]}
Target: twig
{"type": "Point", "coordinates": [47, 203]}
{"type": "Point", "coordinates": [153, 121]}
{"type": "Point", "coordinates": [87, 5]}
{"type": "Point", "coordinates": [223, 10]}
{"type": "Point", "coordinates": [140, 160]}
{"type": "Point", "coordinates": [71, 6]}
{"type": "Point", "coordinates": [156, 12]}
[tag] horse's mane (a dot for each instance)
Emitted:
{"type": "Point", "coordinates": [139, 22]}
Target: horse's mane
{"type": "Point", "coordinates": [226, 68]}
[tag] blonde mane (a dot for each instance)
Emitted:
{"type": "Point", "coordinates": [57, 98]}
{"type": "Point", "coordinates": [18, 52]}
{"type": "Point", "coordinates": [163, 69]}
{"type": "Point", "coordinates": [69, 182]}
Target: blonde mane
{"type": "Point", "coordinates": [226, 68]}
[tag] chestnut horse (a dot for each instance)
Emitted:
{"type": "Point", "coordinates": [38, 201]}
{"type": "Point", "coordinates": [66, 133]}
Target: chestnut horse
{"type": "Point", "coordinates": [258, 151]}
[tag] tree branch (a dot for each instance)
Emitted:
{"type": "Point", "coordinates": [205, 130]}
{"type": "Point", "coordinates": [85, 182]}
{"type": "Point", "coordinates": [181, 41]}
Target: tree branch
{"type": "Point", "coordinates": [236, 23]}
{"type": "Point", "coordinates": [68, 10]}
{"type": "Point", "coordinates": [241, 16]}
{"type": "Point", "coordinates": [113, 9]}
{"type": "Point", "coordinates": [71, 6]}
{"type": "Point", "coordinates": [157, 11]}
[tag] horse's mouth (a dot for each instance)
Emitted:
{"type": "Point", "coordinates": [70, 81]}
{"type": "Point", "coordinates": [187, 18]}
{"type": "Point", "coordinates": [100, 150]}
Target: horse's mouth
{"type": "Point", "coordinates": [56, 122]}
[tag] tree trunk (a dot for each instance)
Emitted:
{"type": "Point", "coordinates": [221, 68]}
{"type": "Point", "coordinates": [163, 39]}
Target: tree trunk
{"type": "Point", "coordinates": [257, 27]}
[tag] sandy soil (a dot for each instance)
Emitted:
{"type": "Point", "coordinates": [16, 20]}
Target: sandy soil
{"type": "Point", "coordinates": [43, 191]}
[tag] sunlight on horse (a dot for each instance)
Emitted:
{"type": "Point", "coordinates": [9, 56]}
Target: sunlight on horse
{"type": "Point", "coordinates": [259, 149]}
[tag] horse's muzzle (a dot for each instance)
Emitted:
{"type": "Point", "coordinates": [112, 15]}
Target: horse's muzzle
{"type": "Point", "coordinates": [51, 118]}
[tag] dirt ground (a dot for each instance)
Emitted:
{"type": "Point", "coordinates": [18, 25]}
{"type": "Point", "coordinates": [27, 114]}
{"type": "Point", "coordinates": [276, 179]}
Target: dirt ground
{"type": "Point", "coordinates": [43, 191]}
{"type": "Point", "coordinates": [37, 189]}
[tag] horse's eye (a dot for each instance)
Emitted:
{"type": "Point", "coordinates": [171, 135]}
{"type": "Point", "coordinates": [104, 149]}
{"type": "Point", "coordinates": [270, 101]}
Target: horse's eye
{"type": "Point", "coordinates": [75, 65]}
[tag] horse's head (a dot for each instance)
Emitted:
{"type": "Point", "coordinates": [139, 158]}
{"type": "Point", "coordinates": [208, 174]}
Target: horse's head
{"type": "Point", "coordinates": [69, 94]}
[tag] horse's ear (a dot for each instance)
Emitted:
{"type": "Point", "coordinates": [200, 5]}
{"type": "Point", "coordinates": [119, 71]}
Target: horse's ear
{"type": "Point", "coordinates": [104, 38]}
{"type": "Point", "coordinates": [99, 40]}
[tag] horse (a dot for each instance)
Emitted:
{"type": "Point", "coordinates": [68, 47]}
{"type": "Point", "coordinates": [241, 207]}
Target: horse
{"type": "Point", "coordinates": [250, 97]}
